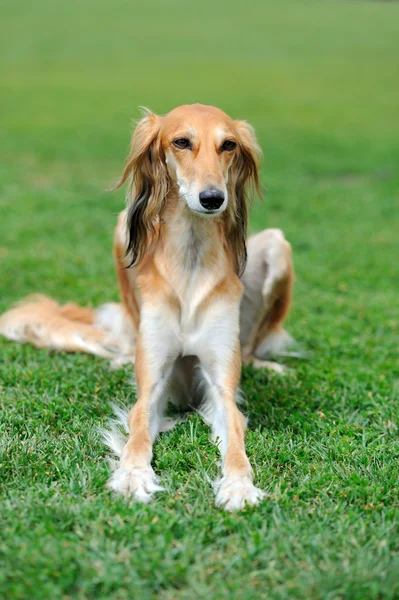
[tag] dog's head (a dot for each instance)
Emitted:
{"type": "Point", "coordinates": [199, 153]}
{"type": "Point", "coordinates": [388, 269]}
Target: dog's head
{"type": "Point", "coordinates": [199, 154]}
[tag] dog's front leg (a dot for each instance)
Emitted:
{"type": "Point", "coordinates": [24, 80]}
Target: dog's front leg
{"type": "Point", "coordinates": [134, 475]}
{"type": "Point", "coordinates": [235, 488]}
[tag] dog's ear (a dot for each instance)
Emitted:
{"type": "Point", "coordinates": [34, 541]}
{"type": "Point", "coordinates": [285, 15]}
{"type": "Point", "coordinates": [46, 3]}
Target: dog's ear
{"type": "Point", "coordinates": [243, 180]}
{"type": "Point", "coordinates": [148, 184]}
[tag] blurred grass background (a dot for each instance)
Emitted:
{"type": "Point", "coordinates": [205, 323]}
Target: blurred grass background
{"type": "Point", "coordinates": [319, 81]}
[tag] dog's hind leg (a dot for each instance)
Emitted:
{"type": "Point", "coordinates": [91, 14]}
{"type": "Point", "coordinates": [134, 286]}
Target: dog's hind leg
{"type": "Point", "coordinates": [268, 280]}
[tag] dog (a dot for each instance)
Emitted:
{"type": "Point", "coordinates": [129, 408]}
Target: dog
{"type": "Point", "coordinates": [197, 298]}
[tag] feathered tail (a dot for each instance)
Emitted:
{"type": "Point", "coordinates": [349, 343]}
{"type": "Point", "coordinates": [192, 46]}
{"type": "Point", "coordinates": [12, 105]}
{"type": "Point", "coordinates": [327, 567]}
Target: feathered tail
{"type": "Point", "coordinates": [43, 322]}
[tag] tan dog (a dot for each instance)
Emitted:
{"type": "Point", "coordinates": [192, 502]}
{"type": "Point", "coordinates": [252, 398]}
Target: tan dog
{"type": "Point", "coordinates": [186, 316]}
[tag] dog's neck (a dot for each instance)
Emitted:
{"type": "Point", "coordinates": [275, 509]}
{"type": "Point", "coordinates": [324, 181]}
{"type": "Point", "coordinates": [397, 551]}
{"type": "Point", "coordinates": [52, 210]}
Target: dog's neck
{"type": "Point", "coordinates": [193, 238]}
{"type": "Point", "coordinates": [190, 252]}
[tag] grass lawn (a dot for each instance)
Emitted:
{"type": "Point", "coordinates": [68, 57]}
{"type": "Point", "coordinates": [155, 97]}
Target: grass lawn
{"type": "Point", "coordinates": [320, 83]}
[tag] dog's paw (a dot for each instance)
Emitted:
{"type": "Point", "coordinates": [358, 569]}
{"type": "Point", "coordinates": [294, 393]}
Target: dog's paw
{"type": "Point", "coordinates": [141, 484]}
{"type": "Point", "coordinates": [270, 365]}
{"type": "Point", "coordinates": [234, 494]}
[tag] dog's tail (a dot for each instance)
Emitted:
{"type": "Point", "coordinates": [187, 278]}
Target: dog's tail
{"type": "Point", "coordinates": [105, 331]}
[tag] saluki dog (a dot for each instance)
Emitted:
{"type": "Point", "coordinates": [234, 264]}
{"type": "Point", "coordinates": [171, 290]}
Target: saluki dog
{"type": "Point", "coordinates": [197, 300]}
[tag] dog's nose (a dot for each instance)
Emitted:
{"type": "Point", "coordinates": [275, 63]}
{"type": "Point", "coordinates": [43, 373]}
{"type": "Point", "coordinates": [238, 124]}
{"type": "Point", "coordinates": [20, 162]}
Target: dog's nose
{"type": "Point", "coordinates": [211, 199]}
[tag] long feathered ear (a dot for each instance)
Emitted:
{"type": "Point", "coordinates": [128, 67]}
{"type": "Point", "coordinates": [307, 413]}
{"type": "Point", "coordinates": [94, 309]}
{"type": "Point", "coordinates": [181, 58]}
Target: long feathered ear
{"type": "Point", "coordinates": [148, 185]}
{"type": "Point", "coordinates": [243, 181]}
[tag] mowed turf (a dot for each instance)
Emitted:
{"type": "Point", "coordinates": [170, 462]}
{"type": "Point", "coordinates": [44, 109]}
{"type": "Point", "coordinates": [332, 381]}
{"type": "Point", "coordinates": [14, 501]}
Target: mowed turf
{"type": "Point", "coordinates": [320, 83]}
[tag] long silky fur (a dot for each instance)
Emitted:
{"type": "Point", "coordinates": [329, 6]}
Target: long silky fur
{"type": "Point", "coordinates": [136, 228]}
{"type": "Point", "coordinates": [244, 179]}
{"type": "Point", "coordinates": [115, 434]}
{"type": "Point", "coordinates": [148, 185]}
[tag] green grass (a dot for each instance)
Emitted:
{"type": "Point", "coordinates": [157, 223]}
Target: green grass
{"type": "Point", "coordinates": [319, 81]}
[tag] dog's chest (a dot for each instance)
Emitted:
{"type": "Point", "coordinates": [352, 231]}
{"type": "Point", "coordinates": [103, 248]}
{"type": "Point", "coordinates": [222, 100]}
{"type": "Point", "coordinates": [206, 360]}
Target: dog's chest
{"type": "Point", "coordinates": [195, 311]}
{"type": "Point", "coordinates": [192, 333]}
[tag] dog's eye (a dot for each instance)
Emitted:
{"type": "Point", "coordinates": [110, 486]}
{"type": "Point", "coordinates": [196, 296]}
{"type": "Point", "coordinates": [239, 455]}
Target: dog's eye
{"type": "Point", "coordinates": [182, 143]}
{"type": "Point", "coordinates": [228, 145]}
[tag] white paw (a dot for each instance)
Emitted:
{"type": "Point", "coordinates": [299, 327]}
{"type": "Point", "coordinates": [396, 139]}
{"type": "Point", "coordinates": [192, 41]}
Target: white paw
{"type": "Point", "coordinates": [270, 365]}
{"type": "Point", "coordinates": [235, 494]}
{"type": "Point", "coordinates": [139, 483]}
{"type": "Point", "coordinates": [120, 360]}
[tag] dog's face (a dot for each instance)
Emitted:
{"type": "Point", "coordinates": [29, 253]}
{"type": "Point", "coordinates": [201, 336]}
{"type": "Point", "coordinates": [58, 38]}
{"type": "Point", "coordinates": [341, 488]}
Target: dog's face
{"type": "Point", "coordinates": [200, 144]}
{"type": "Point", "coordinates": [202, 154]}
